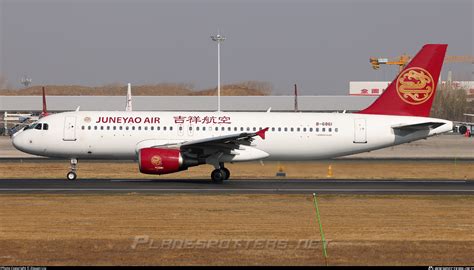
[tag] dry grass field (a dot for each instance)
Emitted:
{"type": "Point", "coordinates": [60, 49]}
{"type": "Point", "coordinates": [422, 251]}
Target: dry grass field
{"type": "Point", "coordinates": [341, 169]}
{"type": "Point", "coordinates": [361, 230]}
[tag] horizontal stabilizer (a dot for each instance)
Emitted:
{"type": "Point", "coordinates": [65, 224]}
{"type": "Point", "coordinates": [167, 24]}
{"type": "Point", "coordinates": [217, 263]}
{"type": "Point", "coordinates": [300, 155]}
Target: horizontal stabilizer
{"type": "Point", "coordinates": [419, 126]}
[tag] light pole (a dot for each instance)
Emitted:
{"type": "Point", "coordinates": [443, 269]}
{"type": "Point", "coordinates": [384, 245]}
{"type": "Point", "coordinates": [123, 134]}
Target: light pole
{"type": "Point", "coordinates": [219, 38]}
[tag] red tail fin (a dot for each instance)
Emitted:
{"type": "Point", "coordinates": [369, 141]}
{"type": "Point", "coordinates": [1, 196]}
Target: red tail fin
{"type": "Point", "coordinates": [45, 111]}
{"type": "Point", "coordinates": [413, 91]}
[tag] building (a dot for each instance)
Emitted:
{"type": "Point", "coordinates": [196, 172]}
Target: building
{"type": "Point", "coordinates": [376, 88]}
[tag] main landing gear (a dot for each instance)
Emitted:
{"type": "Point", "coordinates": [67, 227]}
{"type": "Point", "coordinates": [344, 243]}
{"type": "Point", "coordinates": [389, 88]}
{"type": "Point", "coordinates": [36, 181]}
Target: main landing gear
{"type": "Point", "coordinates": [72, 174]}
{"type": "Point", "coordinates": [220, 174]}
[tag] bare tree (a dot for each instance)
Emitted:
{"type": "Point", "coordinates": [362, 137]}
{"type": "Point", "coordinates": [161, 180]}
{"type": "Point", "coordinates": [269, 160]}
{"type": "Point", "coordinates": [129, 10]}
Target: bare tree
{"type": "Point", "coordinates": [450, 103]}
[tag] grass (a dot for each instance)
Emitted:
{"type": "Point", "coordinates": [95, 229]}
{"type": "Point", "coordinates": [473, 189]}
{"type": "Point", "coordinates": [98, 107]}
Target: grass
{"type": "Point", "coordinates": [362, 229]}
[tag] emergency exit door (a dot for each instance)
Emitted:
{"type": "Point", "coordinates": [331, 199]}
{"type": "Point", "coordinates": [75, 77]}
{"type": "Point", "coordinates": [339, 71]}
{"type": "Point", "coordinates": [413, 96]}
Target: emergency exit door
{"type": "Point", "coordinates": [360, 131]}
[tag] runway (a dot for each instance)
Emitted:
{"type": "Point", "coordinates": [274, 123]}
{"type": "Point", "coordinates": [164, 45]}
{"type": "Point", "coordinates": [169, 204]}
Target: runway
{"type": "Point", "coordinates": [265, 186]}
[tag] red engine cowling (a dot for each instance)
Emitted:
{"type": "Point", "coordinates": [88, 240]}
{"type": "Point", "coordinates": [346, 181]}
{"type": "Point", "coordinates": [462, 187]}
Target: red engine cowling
{"type": "Point", "coordinates": [160, 161]}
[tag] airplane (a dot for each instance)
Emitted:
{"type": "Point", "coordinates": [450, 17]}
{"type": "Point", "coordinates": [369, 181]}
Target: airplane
{"type": "Point", "coordinates": [164, 142]}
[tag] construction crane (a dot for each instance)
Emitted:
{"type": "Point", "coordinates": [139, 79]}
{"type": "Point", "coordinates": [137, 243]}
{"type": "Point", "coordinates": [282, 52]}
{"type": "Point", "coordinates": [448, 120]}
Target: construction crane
{"type": "Point", "coordinates": [402, 61]}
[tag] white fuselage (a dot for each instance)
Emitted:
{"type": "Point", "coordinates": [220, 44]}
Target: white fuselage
{"type": "Point", "coordinates": [291, 136]}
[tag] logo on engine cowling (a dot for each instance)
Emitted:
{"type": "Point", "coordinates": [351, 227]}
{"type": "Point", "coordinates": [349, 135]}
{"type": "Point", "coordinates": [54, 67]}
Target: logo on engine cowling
{"type": "Point", "coordinates": [415, 85]}
{"type": "Point", "coordinates": [157, 162]}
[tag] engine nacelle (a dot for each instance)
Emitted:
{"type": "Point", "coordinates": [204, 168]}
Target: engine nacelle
{"type": "Point", "coordinates": [163, 161]}
{"type": "Point", "coordinates": [462, 129]}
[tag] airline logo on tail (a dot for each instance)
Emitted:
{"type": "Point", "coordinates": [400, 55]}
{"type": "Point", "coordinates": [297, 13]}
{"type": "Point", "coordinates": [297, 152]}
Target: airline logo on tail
{"type": "Point", "coordinates": [413, 91]}
{"type": "Point", "coordinates": [415, 85]}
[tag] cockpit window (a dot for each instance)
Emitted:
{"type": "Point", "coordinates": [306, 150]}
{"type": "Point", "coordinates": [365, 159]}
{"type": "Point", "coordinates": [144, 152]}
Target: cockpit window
{"type": "Point", "coordinates": [45, 126]}
{"type": "Point", "coordinates": [39, 126]}
{"type": "Point", "coordinates": [32, 126]}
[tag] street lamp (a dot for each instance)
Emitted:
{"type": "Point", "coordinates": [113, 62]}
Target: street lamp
{"type": "Point", "coordinates": [219, 38]}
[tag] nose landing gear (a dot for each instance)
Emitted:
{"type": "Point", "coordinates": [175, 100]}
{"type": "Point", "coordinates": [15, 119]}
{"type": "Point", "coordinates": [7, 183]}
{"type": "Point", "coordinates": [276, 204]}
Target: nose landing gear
{"type": "Point", "coordinates": [72, 174]}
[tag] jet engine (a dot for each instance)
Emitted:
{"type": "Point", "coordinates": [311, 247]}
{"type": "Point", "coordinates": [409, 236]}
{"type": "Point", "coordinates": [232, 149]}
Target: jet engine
{"type": "Point", "coordinates": [163, 161]}
{"type": "Point", "coordinates": [462, 129]}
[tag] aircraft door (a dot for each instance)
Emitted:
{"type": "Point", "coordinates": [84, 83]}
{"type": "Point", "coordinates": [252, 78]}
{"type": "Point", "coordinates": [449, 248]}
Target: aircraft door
{"type": "Point", "coordinates": [69, 128]}
{"type": "Point", "coordinates": [360, 131]}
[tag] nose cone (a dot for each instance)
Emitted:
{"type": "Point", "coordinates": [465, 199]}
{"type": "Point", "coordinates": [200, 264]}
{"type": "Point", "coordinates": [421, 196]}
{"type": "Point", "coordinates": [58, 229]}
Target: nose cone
{"type": "Point", "coordinates": [18, 141]}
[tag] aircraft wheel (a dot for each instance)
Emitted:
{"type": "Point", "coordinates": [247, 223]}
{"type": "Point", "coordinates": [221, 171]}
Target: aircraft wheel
{"type": "Point", "coordinates": [71, 176]}
{"type": "Point", "coordinates": [226, 172]}
{"type": "Point", "coordinates": [218, 176]}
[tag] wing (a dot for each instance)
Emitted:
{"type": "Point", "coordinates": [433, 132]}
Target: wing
{"type": "Point", "coordinates": [241, 138]}
{"type": "Point", "coordinates": [226, 144]}
{"type": "Point", "coordinates": [233, 147]}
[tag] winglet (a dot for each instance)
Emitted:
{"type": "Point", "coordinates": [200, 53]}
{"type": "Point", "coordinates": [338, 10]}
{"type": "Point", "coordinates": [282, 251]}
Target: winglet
{"type": "Point", "coordinates": [261, 133]}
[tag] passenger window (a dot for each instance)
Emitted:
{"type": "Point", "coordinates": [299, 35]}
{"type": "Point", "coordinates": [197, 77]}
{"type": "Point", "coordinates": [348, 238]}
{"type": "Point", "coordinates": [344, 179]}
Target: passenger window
{"type": "Point", "coordinates": [229, 129]}
{"type": "Point", "coordinates": [89, 127]}
{"type": "Point", "coordinates": [133, 127]}
{"type": "Point", "coordinates": [171, 128]}
{"type": "Point", "coordinates": [95, 127]}
{"type": "Point", "coordinates": [324, 129]}
{"type": "Point", "coordinates": [335, 130]}
{"type": "Point", "coordinates": [298, 129]}
{"type": "Point", "coordinates": [139, 127]}
{"type": "Point", "coordinates": [83, 127]}
{"type": "Point", "coordinates": [146, 128]}
{"type": "Point", "coordinates": [304, 129]}
{"type": "Point", "coordinates": [235, 128]}
{"type": "Point", "coordinates": [223, 128]}
{"type": "Point", "coordinates": [157, 128]}
{"type": "Point", "coordinates": [317, 129]}
{"type": "Point", "coordinates": [330, 129]}
{"type": "Point", "coordinates": [120, 127]}
{"type": "Point", "coordinates": [39, 126]}
{"type": "Point", "coordinates": [197, 128]}
{"type": "Point", "coordinates": [101, 127]}
{"type": "Point", "coordinates": [126, 128]}
{"type": "Point", "coordinates": [217, 128]}
{"type": "Point", "coordinates": [241, 128]}
{"type": "Point", "coordinates": [203, 128]}
{"type": "Point", "coordinates": [152, 128]}
{"type": "Point", "coordinates": [190, 128]}
{"type": "Point", "coordinates": [115, 128]}
{"type": "Point", "coordinates": [310, 129]}
{"type": "Point", "coordinates": [108, 127]}
{"type": "Point", "coordinates": [279, 129]}
{"type": "Point", "coordinates": [273, 129]}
